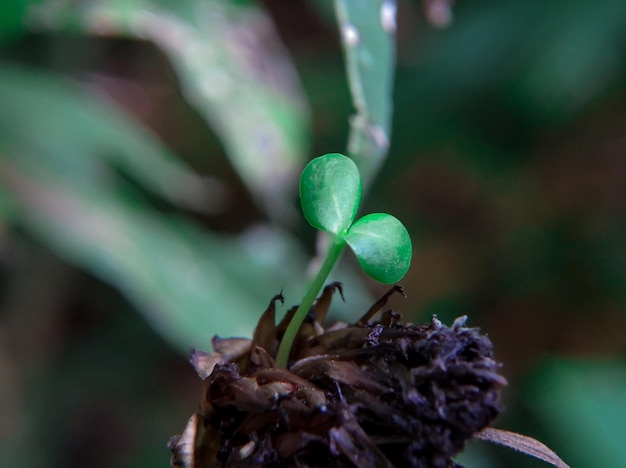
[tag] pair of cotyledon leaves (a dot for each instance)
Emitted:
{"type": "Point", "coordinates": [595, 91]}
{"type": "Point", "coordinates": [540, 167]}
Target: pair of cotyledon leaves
{"type": "Point", "coordinates": [330, 194]}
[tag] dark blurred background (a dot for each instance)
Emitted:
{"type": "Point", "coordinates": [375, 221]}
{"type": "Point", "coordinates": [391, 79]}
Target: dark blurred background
{"type": "Point", "coordinates": [507, 164]}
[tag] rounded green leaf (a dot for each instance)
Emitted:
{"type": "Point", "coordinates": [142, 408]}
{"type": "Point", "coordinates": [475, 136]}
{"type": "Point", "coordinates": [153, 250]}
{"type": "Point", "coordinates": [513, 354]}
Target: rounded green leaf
{"type": "Point", "coordinates": [382, 246]}
{"type": "Point", "coordinates": [330, 192]}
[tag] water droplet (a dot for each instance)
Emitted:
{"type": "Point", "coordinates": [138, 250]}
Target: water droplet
{"type": "Point", "coordinates": [350, 35]}
{"type": "Point", "coordinates": [388, 15]}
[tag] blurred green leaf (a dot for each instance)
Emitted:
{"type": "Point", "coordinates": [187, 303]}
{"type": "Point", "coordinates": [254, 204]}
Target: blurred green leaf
{"type": "Point", "coordinates": [60, 150]}
{"type": "Point", "coordinates": [7, 209]}
{"type": "Point", "coordinates": [48, 124]}
{"type": "Point", "coordinates": [573, 63]}
{"type": "Point", "coordinates": [545, 61]}
{"type": "Point", "coordinates": [12, 14]}
{"type": "Point", "coordinates": [582, 406]}
{"type": "Point", "coordinates": [189, 284]}
{"type": "Point", "coordinates": [233, 69]}
{"type": "Point", "coordinates": [368, 32]}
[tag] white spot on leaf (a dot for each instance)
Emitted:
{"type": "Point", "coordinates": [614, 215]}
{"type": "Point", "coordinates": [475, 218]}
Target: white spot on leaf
{"type": "Point", "coordinates": [350, 35]}
{"type": "Point", "coordinates": [388, 12]}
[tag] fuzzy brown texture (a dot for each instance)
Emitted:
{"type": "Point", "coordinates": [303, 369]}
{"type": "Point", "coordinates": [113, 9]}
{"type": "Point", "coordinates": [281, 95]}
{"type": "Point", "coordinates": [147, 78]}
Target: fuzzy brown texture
{"type": "Point", "coordinates": [372, 394]}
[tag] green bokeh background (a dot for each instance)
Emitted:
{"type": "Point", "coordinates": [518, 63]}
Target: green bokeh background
{"type": "Point", "coordinates": [144, 207]}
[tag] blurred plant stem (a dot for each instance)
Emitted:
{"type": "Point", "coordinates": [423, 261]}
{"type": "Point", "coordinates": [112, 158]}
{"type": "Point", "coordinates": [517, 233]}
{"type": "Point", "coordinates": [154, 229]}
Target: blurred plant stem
{"type": "Point", "coordinates": [368, 37]}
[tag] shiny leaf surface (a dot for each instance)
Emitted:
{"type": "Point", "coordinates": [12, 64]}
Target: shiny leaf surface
{"type": "Point", "coordinates": [382, 246]}
{"type": "Point", "coordinates": [330, 192]}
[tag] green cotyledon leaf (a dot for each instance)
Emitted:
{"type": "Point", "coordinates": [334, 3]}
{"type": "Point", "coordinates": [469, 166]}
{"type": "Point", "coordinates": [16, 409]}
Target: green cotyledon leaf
{"type": "Point", "coordinates": [330, 192]}
{"type": "Point", "coordinates": [382, 246]}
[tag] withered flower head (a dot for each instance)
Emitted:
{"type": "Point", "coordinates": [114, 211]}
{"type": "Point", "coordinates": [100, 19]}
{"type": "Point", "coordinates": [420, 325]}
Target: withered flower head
{"type": "Point", "coordinates": [371, 394]}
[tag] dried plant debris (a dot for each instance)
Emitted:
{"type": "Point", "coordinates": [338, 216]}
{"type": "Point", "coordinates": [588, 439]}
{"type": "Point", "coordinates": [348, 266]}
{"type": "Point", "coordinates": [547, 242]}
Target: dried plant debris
{"type": "Point", "coordinates": [372, 394]}
{"type": "Point", "coordinates": [521, 443]}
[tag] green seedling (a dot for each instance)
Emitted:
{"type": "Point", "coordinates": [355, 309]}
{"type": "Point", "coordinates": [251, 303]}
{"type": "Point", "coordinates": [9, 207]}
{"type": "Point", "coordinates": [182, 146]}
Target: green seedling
{"type": "Point", "coordinates": [330, 194]}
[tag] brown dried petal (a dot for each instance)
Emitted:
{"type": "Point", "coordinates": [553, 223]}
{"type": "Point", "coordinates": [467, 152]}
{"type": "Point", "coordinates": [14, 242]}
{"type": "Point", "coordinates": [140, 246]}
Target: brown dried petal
{"type": "Point", "coordinates": [379, 304]}
{"type": "Point", "coordinates": [312, 325]}
{"type": "Point", "coordinates": [523, 444]}
{"type": "Point", "coordinates": [323, 302]}
{"type": "Point", "coordinates": [231, 349]}
{"type": "Point", "coordinates": [265, 333]}
{"type": "Point", "coordinates": [203, 362]}
{"type": "Point", "coordinates": [183, 446]}
{"type": "Point", "coordinates": [303, 389]}
{"type": "Point", "coordinates": [242, 393]}
{"type": "Point", "coordinates": [261, 358]}
{"type": "Point", "coordinates": [343, 372]}
{"type": "Point", "coordinates": [354, 444]}
{"type": "Point", "coordinates": [196, 447]}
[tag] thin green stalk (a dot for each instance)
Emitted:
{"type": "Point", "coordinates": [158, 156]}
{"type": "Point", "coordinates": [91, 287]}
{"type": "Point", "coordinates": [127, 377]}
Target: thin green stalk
{"type": "Point", "coordinates": [313, 290]}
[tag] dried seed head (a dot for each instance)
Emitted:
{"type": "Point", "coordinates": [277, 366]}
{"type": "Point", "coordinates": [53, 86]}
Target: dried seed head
{"type": "Point", "coordinates": [370, 394]}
